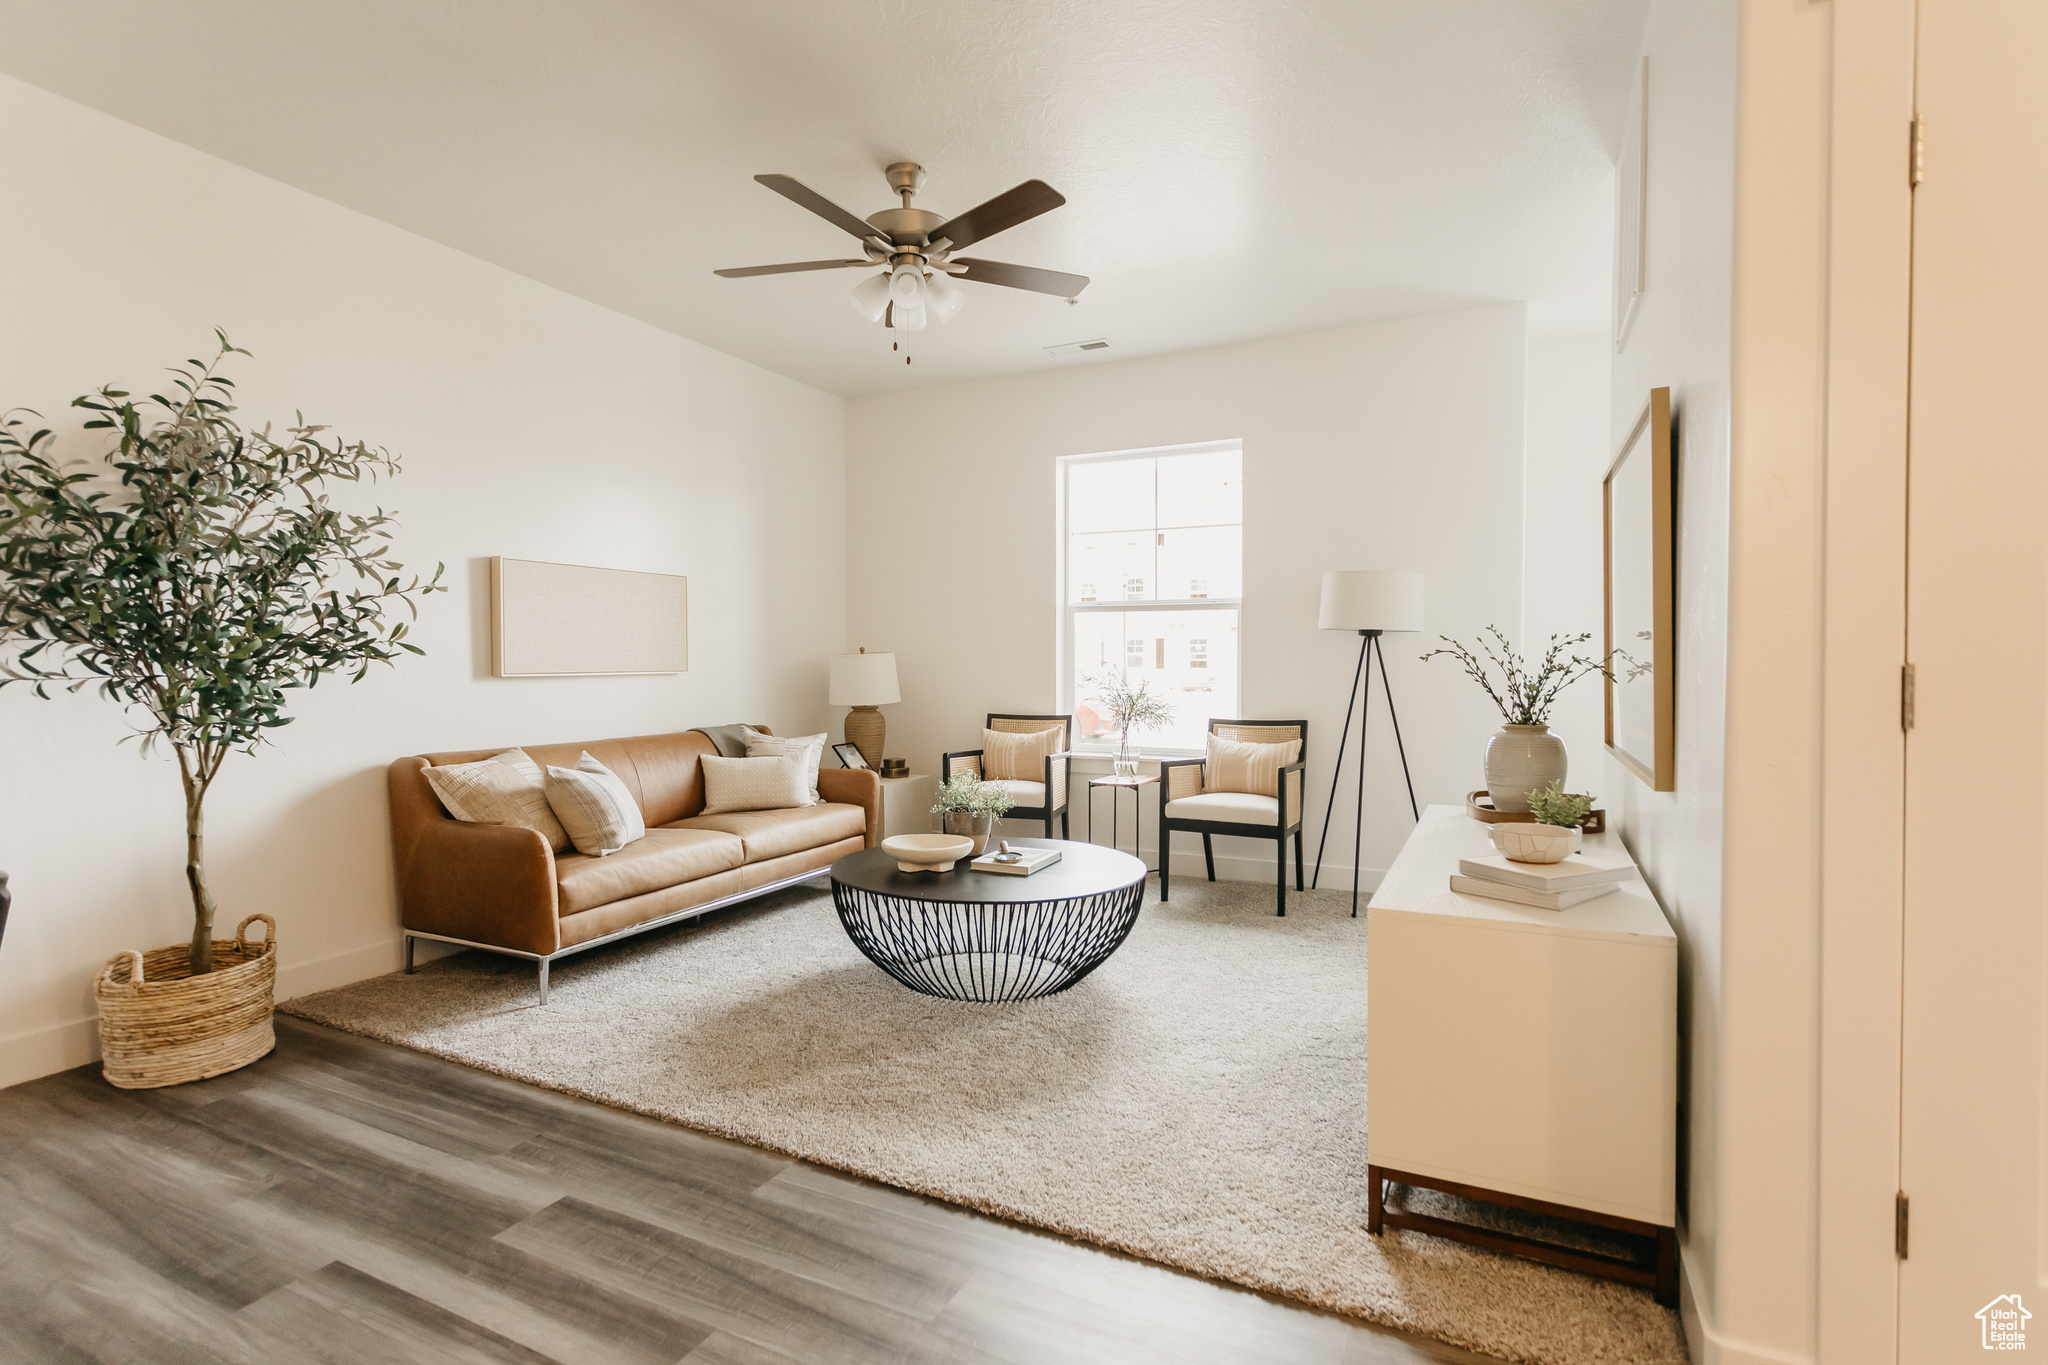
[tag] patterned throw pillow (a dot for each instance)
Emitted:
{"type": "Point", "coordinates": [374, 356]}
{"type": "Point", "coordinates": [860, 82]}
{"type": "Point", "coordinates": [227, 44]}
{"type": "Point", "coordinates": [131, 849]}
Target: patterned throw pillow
{"type": "Point", "coordinates": [1236, 766]}
{"type": "Point", "coordinates": [595, 807]}
{"type": "Point", "coordinates": [803, 750]}
{"type": "Point", "coordinates": [768, 783]}
{"type": "Point", "coordinates": [1020, 758]}
{"type": "Point", "coordinates": [504, 789]}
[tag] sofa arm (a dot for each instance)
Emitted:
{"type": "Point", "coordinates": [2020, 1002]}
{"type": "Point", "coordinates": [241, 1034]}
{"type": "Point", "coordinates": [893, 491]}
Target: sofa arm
{"type": "Point", "coordinates": [855, 787]}
{"type": "Point", "coordinates": [490, 884]}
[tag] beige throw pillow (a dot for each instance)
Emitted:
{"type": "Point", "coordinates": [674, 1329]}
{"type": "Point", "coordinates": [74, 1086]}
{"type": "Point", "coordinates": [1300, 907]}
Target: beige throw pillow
{"type": "Point", "coordinates": [595, 807]}
{"type": "Point", "coordinates": [803, 750]}
{"type": "Point", "coordinates": [767, 783]}
{"type": "Point", "coordinates": [504, 789]}
{"type": "Point", "coordinates": [1235, 766]}
{"type": "Point", "coordinates": [1019, 758]}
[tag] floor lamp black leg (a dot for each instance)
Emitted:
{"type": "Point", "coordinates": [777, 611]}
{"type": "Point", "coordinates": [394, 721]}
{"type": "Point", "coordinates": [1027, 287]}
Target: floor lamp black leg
{"type": "Point", "coordinates": [1343, 737]}
{"type": "Point", "coordinates": [1358, 836]}
{"type": "Point", "coordinates": [1387, 687]}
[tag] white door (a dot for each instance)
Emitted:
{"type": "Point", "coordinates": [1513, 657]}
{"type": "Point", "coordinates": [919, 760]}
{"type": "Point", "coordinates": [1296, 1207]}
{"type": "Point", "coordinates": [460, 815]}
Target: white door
{"type": "Point", "coordinates": [1971, 1142]}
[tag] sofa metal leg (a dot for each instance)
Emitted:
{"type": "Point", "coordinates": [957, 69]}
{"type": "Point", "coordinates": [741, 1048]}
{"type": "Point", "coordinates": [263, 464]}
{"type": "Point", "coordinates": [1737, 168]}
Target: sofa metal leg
{"type": "Point", "coordinates": [409, 941]}
{"type": "Point", "coordinates": [1209, 856]}
{"type": "Point", "coordinates": [543, 981]}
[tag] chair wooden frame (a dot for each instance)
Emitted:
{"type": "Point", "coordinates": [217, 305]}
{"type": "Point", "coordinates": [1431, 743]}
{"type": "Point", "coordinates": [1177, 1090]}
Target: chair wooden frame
{"type": "Point", "coordinates": [1289, 816]}
{"type": "Point", "coordinates": [1057, 794]}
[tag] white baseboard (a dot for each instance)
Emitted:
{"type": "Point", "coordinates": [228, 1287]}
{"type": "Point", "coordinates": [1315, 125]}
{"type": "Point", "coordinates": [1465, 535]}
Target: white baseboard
{"type": "Point", "coordinates": [60, 1047]}
{"type": "Point", "coordinates": [1710, 1347]}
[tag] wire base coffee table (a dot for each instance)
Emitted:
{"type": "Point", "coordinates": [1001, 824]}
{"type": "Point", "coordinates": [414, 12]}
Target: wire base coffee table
{"type": "Point", "coordinates": [967, 935]}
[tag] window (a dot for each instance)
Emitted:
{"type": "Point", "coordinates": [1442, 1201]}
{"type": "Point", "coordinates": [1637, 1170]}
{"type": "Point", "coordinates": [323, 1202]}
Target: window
{"type": "Point", "coordinates": [1166, 525]}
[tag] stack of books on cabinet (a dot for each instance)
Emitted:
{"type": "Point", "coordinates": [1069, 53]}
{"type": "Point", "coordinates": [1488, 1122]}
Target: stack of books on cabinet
{"type": "Point", "coordinates": [1547, 886]}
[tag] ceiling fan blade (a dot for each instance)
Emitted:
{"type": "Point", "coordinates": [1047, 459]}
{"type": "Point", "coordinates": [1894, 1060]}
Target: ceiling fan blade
{"type": "Point", "coordinates": [1001, 213]}
{"type": "Point", "coordinates": [798, 193]}
{"type": "Point", "coordinates": [1022, 277]}
{"type": "Point", "coordinates": [741, 272]}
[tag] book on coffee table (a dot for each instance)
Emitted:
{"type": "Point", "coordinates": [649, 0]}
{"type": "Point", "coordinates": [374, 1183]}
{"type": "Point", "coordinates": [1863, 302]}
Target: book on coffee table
{"type": "Point", "coordinates": [1034, 859]}
{"type": "Point", "coordinates": [1522, 895]}
{"type": "Point", "coordinates": [1581, 869]}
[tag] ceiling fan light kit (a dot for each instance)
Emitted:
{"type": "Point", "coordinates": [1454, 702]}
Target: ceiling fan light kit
{"type": "Point", "coordinates": [916, 246]}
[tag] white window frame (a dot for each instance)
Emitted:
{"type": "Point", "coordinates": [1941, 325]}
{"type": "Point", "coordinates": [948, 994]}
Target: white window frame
{"type": "Point", "coordinates": [1068, 610]}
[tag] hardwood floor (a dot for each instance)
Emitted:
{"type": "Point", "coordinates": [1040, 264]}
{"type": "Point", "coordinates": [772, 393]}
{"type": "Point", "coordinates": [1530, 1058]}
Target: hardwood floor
{"type": "Point", "coordinates": [347, 1201]}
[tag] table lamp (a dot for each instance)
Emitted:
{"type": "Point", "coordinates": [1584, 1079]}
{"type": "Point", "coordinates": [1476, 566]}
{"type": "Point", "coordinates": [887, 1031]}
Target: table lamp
{"type": "Point", "coordinates": [1371, 602]}
{"type": "Point", "coordinates": [865, 681]}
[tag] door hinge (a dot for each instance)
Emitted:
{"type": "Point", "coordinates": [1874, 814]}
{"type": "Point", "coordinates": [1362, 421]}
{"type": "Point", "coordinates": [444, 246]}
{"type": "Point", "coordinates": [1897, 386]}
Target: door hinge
{"type": "Point", "coordinates": [1906, 696]}
{"type": "Point", "coordinates": [1900, 1213]}
{"type": "Point", "coordinates": [1916, 156]}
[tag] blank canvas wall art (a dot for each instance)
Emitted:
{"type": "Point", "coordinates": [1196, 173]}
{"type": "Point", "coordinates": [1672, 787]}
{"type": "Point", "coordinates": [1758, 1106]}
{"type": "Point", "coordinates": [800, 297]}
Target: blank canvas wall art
{"type": "Point", "coordinates": [561, 620]}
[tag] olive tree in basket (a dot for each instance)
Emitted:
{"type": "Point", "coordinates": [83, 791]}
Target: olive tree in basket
{"type": "Point", "coordinates": [195, 572]}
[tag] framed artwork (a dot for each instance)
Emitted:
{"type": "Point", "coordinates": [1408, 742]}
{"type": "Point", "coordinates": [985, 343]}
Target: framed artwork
{"type": "Point", "coordinates": [849, 756]}
{"type": "Point", "coordinates": [1641, 586]}
{"type": "Point", "coordinates": [557, 620]}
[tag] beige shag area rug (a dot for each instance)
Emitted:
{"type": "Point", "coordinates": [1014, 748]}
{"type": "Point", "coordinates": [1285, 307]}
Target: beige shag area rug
{"type": "Point", "coordinates": [1199, 1100]}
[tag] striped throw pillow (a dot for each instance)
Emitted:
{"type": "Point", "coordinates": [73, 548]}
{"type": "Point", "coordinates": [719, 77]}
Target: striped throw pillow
{"type": "Point", "coordinates": [1235, 766]}
{"type": "Point", "coordinates": [803, 750]}
{"type": "Point", "coordinates": [766, 783]}
{"type": "Point", "coordinates": [504, 789]}
{"type": "Point", "coordinates": [1020, 758]}
{"type": "Point", "coordinates": [595, 807]}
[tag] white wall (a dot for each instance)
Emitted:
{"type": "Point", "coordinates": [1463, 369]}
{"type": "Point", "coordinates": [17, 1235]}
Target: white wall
{"type": "Point", "coordinates": [1394, 445]}
{"type": "Point", "coordinates": [532, 424]}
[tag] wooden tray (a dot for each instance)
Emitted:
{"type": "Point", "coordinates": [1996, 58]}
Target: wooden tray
{"type": "Point", "coordinates": [1480, 808]}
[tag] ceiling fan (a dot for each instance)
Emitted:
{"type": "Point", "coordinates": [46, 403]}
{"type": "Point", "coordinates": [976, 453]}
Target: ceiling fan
{"type": "Point", "coordinates": [916, 246]}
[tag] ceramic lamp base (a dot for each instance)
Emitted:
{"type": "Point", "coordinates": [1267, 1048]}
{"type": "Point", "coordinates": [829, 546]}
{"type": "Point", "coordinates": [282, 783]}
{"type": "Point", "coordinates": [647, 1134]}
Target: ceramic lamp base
{"type": "Point", "coordinates": [865, 729]}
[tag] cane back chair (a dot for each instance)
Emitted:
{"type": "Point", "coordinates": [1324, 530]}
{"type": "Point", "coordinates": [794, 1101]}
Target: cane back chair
{"type": "Point", "coordinates": [1187, 805]}
{"type": "Point", "coordinates": [1040, 800]}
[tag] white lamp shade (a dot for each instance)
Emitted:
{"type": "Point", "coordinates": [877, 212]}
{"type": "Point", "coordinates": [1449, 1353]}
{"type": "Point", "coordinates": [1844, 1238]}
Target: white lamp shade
{"type": "Point", "coordinates": [871, 297]}
{"type": "Point", "coordinates": [945, 297]}
{"type": "Point", "coordinates": [1371, 599]}
{"type": "Point", "coordinates": [864, 680]}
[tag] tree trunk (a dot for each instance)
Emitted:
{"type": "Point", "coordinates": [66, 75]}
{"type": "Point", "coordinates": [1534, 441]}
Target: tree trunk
{"type": "Point", "coordinates": [195, 875]}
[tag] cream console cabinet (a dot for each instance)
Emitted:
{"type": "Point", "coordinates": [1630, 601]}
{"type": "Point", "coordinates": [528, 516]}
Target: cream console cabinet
{"type": "Point", "coordinates": [1521, 1056]}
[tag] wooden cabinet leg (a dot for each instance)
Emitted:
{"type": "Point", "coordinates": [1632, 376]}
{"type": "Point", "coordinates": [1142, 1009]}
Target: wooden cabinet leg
{"type": "Point", "coordinates": [1374, 1198]}
{"type": "Point", "coordinates": [1667, 1267]}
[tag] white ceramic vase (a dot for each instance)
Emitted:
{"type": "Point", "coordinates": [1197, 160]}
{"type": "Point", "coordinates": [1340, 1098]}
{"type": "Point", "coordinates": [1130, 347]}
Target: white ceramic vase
{"type": "Point", "coordinates": [1521, 759]}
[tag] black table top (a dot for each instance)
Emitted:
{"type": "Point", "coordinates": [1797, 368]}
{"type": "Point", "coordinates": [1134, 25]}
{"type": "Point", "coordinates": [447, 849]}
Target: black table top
{"type": "Point", "coordinates": [1083, 870]}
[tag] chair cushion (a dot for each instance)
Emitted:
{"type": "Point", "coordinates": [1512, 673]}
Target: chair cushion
{"type": "Point", "coordinates": [505, 789]}
{"type": "Point", "coordinates": [1030, 795]}
{"type": "Point", "coordinates": [777, 833]}
{"type": "Point", "coordinates": [1239, 808]}
{"type": "Point", "coordinates": [595, 806]}
{"type": "Point", "coordinates": [769, 782]}
{"type": "Point", "coordinates": [658, 859]}
{"type": "Point", "coordinates": [1238, 766]}
{"type": "Point", "coordinates": [1019, 756]}
{"type": "Point", "coordinates": [804, 751]}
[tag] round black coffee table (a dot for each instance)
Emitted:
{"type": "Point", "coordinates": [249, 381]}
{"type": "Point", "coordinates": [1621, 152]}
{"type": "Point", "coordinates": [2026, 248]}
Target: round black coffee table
{"type": "Point", "coordinates": [966, 935]}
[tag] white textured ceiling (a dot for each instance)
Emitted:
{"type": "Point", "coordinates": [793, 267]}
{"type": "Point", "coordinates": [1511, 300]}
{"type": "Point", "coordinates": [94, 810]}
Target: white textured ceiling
{"type": "Point", "coordinates": [1232, 168]}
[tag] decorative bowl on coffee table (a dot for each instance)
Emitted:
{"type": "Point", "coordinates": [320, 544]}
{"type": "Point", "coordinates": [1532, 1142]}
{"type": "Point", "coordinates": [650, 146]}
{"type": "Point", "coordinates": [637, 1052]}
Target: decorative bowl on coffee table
{"type": "Point", "coordinates": [927, 852]}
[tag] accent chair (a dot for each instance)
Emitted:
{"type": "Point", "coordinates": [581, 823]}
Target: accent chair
{"type": "Point", "coordinates": [1040, 800]}
{"type": "Point", "coordinates": [1190, 804]}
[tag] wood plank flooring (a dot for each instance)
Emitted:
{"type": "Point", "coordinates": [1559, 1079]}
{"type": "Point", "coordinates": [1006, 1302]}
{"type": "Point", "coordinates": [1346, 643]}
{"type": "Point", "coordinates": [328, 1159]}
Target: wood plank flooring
{"type": "Point", "coordinates": [345, 1201]}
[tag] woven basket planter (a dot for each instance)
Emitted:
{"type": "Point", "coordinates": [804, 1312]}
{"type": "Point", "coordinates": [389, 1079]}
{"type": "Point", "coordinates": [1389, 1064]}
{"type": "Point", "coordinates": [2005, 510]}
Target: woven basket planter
{"type": "Point", "coordinates": [160, 1025]}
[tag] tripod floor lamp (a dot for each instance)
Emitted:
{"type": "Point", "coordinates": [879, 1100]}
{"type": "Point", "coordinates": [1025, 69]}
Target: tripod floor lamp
{"type": "Point", "coordinates": [1371, 602]}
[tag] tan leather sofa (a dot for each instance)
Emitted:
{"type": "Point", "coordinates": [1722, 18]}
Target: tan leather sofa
{"type": "Point", "coordinates": [501, 887]}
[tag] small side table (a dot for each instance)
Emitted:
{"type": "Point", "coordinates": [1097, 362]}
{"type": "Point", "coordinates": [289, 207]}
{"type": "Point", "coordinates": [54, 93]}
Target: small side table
{"type": "Point", "coordinates": [1116, 784]}
{"type": "Point", "coordinates": [907, 804]}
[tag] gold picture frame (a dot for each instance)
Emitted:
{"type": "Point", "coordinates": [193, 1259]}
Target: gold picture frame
{"type": "Point", "coordinates": [1640, 598]}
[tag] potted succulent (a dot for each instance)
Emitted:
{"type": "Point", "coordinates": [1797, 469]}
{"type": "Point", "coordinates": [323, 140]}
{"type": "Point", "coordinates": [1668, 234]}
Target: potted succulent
{"type": "Point", "coordinates": [194, 572]}
{"type": "Point", "coordinates": [1553, 836]}
{"type": "Point", "coordinates": [1129, 709]}
{"type": "Point", "coordinates": [1523, 755]}
{"type": "Point", "coordinates": [970, 807]}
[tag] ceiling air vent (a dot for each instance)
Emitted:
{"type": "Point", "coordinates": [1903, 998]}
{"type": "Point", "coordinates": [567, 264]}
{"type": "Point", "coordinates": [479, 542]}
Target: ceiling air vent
{"type": "Point", "coordinates": [1077, 347]}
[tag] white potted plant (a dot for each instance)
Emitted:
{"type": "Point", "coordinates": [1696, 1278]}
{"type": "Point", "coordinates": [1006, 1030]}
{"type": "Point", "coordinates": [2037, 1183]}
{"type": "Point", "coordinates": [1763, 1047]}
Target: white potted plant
{"type": "Point", "coordinates": [195, 573]}
{"type": "Point", "coordinates": [1523, 755]}
{"type": "Point", "coordinates": [1553, 836]}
